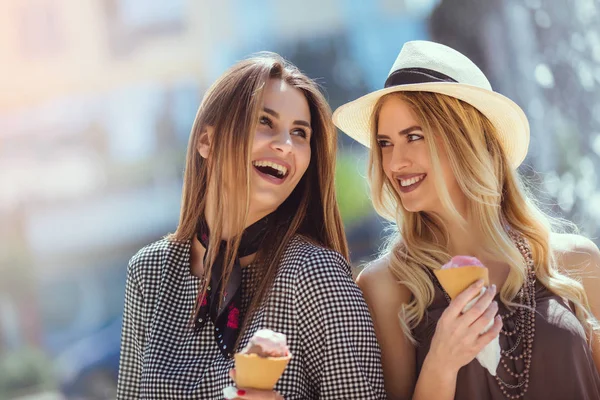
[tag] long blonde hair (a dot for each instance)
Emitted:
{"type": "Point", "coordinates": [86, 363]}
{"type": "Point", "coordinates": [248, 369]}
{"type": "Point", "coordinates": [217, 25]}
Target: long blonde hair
{"type": "Point", "coordinates": [231, 106]}
{"type": "Point", "coordinates": [496, 200]}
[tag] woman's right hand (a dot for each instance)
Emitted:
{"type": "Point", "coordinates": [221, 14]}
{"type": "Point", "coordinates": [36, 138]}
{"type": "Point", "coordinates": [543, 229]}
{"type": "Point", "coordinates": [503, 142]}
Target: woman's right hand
{"type": "Point", "coordinates": [232, 392]}
{"type": "Point", "coordinates": [458, 339]}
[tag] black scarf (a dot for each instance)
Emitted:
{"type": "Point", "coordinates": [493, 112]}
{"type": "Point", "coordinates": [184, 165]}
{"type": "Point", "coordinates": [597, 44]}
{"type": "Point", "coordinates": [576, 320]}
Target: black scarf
{"type": "Point", "coordinates": [227, 318]}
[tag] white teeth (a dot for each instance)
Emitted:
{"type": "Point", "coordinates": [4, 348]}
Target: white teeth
{"type": "Point", "coordinates": [411, 181]}
{"type": "Point", "coordinates": [282, 170]}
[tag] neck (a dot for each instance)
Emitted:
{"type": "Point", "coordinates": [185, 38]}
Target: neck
{"type": "Point", "coordinates": [198, 250]}
{"type": "Point", "coordinates": [197, 256]}
{"type": "Point", "coordinates": [228, 230]}
{"type": "Point", "coordinates": [464, 239]}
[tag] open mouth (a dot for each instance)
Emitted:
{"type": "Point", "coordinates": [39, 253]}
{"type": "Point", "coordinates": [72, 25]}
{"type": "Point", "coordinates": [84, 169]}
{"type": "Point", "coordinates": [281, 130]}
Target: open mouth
{"type": "Point", "coordinates": [408, 185]}
{"type": "Point", "coordinates": [271, 169]}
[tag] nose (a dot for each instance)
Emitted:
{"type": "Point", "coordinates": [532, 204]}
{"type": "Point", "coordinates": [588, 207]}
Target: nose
{"type": "Point", "coordinates": [282, 142]}
{"type": "Point", "coordinates": [400, 159]}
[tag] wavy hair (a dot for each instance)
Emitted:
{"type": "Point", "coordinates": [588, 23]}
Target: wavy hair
{"type": "Point", "coordinates": [497, 202]}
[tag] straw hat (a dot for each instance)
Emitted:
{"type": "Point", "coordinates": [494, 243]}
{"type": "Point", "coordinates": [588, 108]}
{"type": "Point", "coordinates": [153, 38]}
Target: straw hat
{"type": "Point", "coordinates": [424, 66]}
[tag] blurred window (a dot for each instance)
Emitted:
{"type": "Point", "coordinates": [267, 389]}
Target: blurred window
{"type": "Point", "coordinates": [60, 303]}
{"type": "Point", "coordinates": [132, 22]}
{"type": "Point", "coordinates": [113, 289]}
{"type": "Point", "coordinates": [39, 30]}
{"type": "Point", "coordinates": [141, 14]}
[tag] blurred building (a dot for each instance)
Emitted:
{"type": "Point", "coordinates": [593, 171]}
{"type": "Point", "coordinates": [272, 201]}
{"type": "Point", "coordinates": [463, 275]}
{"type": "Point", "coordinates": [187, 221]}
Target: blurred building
{"type": "Point", "coordinates": [97, 99]}
{"type": "Point", "coordinates": [545, 56]}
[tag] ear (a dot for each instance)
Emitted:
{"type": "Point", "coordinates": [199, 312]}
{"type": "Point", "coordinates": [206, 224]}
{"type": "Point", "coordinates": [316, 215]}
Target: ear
{"type": "Point", "coordinates": [205, 140]}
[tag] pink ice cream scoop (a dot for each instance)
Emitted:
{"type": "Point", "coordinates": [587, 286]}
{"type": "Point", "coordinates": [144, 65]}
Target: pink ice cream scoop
{"type": "Point", "coordinates": [462, 261]}
{"type": "Point", "coordinates": [266, 343]}
{"type": "Point", "coordinates": [261, 363]}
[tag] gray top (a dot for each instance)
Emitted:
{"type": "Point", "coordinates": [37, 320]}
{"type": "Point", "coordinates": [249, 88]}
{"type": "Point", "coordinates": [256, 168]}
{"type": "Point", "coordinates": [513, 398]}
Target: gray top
{"type": "Point", "coordinates": [561, 366]}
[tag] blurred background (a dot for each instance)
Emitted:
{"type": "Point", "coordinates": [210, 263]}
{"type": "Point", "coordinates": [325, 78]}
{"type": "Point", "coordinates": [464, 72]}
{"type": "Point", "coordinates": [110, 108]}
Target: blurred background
{"type": "Point", "coordinates": [97, 98]}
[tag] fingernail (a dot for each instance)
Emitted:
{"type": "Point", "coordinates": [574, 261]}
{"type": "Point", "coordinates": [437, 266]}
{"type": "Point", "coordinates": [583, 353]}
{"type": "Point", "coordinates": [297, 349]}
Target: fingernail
{"type": "Point", "coordinates": [241, 392]}
{"type": "Point", "coordinates": [496, 303]}
{"type": "Point", "coordinates": [494, 287]}
{"type": "Point", "coordinates": [479, 282]}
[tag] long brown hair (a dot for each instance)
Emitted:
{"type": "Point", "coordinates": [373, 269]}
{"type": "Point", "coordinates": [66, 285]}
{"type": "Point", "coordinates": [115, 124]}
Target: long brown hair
{"type": "Point", "coordinates": [231, 106]}
{"type": "Point", "coordinates": [496, 198]}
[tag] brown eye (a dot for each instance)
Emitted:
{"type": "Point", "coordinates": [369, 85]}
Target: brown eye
{"type": "Point", "coordinates": [300, 132]}
{"type": "Point", "coordinates": [266, 121]}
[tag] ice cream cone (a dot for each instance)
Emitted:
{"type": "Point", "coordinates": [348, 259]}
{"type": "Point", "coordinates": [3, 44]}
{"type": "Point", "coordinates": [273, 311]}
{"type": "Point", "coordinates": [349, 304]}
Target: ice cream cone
{"type": "Point", "coordinates": [254, 372]}
{"type": "Point", "coordinates": [456, 280]}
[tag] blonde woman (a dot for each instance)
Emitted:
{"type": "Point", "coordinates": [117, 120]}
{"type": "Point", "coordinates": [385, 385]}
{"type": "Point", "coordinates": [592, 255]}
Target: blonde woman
{"type": "Point", "coordinates": [260, 244]}
{"type": "Point", "coordinates": [444, 153]}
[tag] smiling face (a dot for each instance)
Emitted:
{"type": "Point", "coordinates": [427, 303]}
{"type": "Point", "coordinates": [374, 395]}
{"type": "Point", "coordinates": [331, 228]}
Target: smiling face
{"type": "Point", "coordinates": [281, 149]}
{"type": "Point", "coordinates": [406, 159]}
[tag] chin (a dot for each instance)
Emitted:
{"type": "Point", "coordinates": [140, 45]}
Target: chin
{"type": "Point", "coordinates": [267, 204]}
{"type": "Point", "coordinates": [412, 207]}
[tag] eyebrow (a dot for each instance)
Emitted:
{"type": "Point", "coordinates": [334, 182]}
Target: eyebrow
{"type": "Point", "coordinates": [276, 115]}
{"type": "Point", "coordinates": [403, 132]}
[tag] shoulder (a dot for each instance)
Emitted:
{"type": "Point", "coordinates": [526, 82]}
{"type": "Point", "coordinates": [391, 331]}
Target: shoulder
{"type": "Point", "coordinates": [379, 285]}
{"type": "Point", "coordinates": [575, 252]}
{"type": "Point", "coordinates": [376, 272]}
{"type": "Point", "coordinates": [319, 276]}
{"type": "Point", "coordinates": [153, 258]}
{"type": "Point", "coordinates": [308, 259]}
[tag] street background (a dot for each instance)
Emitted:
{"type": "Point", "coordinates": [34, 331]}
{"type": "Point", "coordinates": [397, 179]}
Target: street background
{"type": "Point", "coordinates": [97, 98]}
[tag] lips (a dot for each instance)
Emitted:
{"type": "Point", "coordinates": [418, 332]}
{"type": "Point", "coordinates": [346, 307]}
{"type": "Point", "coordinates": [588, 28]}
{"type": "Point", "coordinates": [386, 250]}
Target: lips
{"type": "Point", "coordinates": [271, 168]}
{"type": "Point", "coordinates": [408, 183]}
{"type": "Point", "coordinates": [274, 171]}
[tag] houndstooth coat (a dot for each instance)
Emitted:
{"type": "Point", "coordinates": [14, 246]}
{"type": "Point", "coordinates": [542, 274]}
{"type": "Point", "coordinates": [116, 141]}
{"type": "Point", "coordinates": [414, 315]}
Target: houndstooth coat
{"type": "Point", "coordinates": [313, 301]}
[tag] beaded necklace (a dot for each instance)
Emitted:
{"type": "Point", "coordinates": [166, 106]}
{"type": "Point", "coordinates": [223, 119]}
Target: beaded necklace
{"type": "Point", "coordinates": [524, 330]}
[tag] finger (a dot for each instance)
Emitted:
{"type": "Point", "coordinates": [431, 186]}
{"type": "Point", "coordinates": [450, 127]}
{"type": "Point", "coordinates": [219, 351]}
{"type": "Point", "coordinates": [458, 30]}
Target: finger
{"type": "Point", "coordinates": [254, 394]}
{"type": "Point", "coordinates": [494, 331]}
{"type": "Point", "coordinates": [232, 374]}
{"type": "Point", "coordinates": [230, 393]}
{"type": "Point", "coordinates": [486, 319]}
{"type": "Point", "coordinates": [480, 306]}
{"type": "Point", "coordinates": [456, 306]}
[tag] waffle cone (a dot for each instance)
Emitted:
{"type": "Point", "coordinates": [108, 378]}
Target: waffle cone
{"type": "Point", "coordinates": [254, 372]}
{"type": "Point", "coordinates": [456, 280]}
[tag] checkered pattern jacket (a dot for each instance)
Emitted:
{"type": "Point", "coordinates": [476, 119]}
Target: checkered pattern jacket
{"type": "Point", "coordinates": [313, 301]}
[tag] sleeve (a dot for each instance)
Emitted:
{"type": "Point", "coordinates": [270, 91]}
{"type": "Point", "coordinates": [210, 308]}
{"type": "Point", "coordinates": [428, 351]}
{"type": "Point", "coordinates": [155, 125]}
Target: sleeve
{"type": "Point", "coordinates": [342, 355]}
{"type": "Point", "coordinates": [132, 338]}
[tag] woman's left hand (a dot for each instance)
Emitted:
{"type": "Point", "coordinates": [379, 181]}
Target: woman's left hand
{"type": "Point", "coordinates": [232, 392]}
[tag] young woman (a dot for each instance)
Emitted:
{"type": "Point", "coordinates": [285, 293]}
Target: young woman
{"type": "Point", "coordinates": [260, 244]}
{"type": "Point", "coordinates": [444, 153]}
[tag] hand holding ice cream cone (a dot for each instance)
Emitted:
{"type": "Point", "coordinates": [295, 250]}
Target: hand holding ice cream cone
{"type": "Point", "coordinates": [262, 362]}
{"type": "Point", "coordinates": [455, 277]}
{"type": "Point", "coordinates": [232, 393]}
